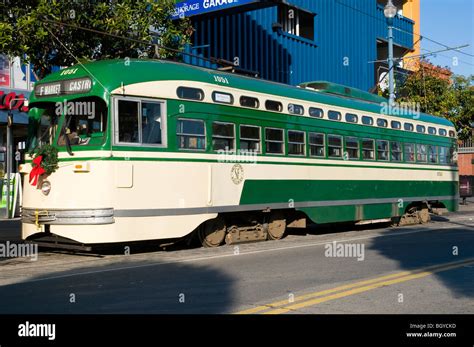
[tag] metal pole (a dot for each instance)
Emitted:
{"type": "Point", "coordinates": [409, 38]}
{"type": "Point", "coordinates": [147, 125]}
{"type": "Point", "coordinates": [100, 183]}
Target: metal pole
{"type": "Point", "coordinates": [9, 162]}
{"type": "Point", "coordinates": [391, 81]}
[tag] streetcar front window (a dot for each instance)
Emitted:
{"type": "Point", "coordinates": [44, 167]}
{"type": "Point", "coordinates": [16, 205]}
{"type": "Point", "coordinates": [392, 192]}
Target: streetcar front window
{"type": "Point", "coordinates": [43, 125]}
{"type": "Point", "coordinates": [84, 123]}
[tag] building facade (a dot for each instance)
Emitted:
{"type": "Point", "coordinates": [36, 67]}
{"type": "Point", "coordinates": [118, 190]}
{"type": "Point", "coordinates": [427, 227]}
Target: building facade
{"type": "Point", "coordinates": [296, 41]}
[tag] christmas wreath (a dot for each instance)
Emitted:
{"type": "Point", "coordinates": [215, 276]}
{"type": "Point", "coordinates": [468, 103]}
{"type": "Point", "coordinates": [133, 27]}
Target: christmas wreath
{"type": "Point", "coordinates": [45, 162]}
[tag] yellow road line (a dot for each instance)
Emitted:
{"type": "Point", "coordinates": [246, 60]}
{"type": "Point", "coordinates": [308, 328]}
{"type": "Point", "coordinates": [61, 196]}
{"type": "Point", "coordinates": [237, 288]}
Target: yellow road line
{"type": "Point", "coordinates": [354, 288]}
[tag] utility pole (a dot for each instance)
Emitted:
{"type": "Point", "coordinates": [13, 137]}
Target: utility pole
{"type": "Point", "coordinates": [390, 11]}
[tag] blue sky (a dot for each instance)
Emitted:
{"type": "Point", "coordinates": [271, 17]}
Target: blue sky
{"type": "Point", "coordinates": [449, 22]}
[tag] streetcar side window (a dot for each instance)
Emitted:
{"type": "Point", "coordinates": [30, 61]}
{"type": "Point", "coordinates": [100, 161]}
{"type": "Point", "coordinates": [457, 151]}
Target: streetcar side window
{"type": "Point", "coordinates": [151, 123]}
{"type": "Point", "coordinates": [382, 150]}
{"type": "Point", "coordinates": [296, 142]}
{"type": "Point", "coordinates": [444, 155]}
{"type": "Point", "coordinates": [395, 124]}
{"type": "Point", "coordinates": [421, 153]}
{"type": "Point", "coordinates": [420, 129]}
{"type": "Point", "coordinates": [223, 136]}
{"type": "Point", "coordinates": [368, 149]}
{"type": "Point", "coordinates": [334, 146]}
{"type": "Point", "coordinates": [223, 98]}
{"type": "Point", "coordinates": [396, 151]}
{"type": "Point", "coordinates": [334, 115]}
{"type": "Point", "coordinates": [366, 120]}
{"type": "Point", "coordinates": [409, 152]}
{"type": "Point", "coordinates": [442, 132]}
{"type": "Point", "coordinates": [383, 123]}
{"type": "Point", "coordinates": [316, 145]}
{"type": "Point", "coordinates": [352, 147]}
{"type": "Point", "coordinates": [296, 109]}
{"type": "Point", "coordinates": [432, 154]}
{"type": "Point", "coordinates": [248, 101]}
{"type": "Point", "coordinates": [432, 130]}
{"type": "Point", "coordinates": [408, 126]}
{"type": "Point", "coordinates": [274, 141]}
{"type": "Point", "coordinates": [190, 93]}
{"type": "Point", "coordinates": [452, 133]}
{"type": "Point", "coordinates": [250, 138]}
{"type": "Point", "coordinates": [316, 112]}
{"type": "Point", "coordinates": [351, 118]}
{"type": "Point", "coordinates": [191, 134]}
{"type": "Point", "coordinates": [128, 128]}
{"type": "Point", "coordinates": [271, 105]}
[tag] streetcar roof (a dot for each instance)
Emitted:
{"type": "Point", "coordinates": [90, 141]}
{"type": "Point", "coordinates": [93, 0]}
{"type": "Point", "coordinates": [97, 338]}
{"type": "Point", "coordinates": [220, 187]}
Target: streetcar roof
{"type": "Point", "coordinates": [108, 75]}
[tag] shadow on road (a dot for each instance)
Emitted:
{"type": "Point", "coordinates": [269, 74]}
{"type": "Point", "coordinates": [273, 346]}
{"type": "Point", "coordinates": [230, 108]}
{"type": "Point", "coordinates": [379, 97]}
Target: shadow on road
{"type": "Point", "coordinates": [437, 246]}
{"type": "Point", "coordinates": [143, 288]}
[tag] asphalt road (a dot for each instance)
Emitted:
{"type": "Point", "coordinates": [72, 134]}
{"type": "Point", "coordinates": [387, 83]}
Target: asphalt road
{"type": "Point", "coordinates": [417, 269]}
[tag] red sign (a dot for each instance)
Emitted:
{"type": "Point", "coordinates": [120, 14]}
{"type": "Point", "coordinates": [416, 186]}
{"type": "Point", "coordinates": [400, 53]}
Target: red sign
{"type": "Point", "coordinates": [13, 100]}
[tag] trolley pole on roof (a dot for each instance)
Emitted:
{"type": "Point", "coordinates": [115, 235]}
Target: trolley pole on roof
{"type": "Point", "coordinates": [390, 11]}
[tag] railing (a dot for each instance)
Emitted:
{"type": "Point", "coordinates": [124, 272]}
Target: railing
{"type": "Point", "coordinates": [467, 146]}
{"type": "Point", "coordinates": [403, 36]}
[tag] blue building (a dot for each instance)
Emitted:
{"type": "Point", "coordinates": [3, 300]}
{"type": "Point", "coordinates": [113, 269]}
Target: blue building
{"type": "Point", "coordinates": [295, 41]}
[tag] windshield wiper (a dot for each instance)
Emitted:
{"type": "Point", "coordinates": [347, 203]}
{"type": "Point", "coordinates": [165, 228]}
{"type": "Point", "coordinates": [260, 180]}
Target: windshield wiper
{"type": "Point", "coordinates": [67, 140]}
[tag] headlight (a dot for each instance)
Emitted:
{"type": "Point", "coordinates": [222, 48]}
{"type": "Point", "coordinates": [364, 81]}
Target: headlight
{"type": "Point", "coordinates": [45, 187]}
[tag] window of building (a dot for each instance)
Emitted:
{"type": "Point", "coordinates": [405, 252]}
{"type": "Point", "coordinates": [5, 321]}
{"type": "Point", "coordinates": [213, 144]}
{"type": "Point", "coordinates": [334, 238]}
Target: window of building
{"type": "Point", "coordinates": [382, 122]}
{"type": "Point", "coordinates": [271, 105]}
{"type": "Point", "coordinates": [191, 134]}
{"type": "Point", "coordinates": [382, 150]}
{"type": "Point", "coordinates": [248, 101]}
{"type": "Point", "coordinates": [395, 124]}
{"type": "Point", "coordinates": [316, 145]}
{"type": "Point", "coordinates": [296, 142]}
{"type": "Point", "coordinates": [296, 21]}
{"type": "Point", "coordinates": [409, 152]}
{"type": "Point", "coordinates": [432, 130]}
{"type": "Point", "coordinates": [352, 147]}
{"type": "Point", "coordinates": [432, 154]}
{"type": "Point", "coordinates": [223, 98]}
{"type": "Point", "coordinates": [190, 93]}
{"type": "Point", "coordinates": [334, 115]}
{"type": "Point", "coordinates": [351, 118]}
{"type": "Point", "coordinates": [421, 155]}
{"type": "Point", "coordinates": [396, 151]}
{"type": "Point", "coordinates": [250, 138]}
{"type": "Point", "coordinates": [368, 149]}
{"type": "Point", "coordinates": [223, 136]}
{"type": "Point", "coordinates": [366, 120]}
{"type": "Point", "coordinates": [296, 109]}
{"type": "Point", "coordinates": [316, 112]}
{"type": "Point", "coordinates": [334, 146]}
{"type": "Point", "coordinates": [408, 126]}
{"type": "Point", "coordinates": [420, 129]}
{"type": "Point", "coordinates": [274, 142]}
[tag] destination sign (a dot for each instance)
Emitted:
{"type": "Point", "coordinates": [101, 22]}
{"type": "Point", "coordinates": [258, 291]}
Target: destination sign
{"type": "Point", "coordinates": [74, 86]}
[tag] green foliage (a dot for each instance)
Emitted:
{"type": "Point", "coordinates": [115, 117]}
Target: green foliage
{"type": "Point", "coordinates": [23, 30]}
{"type": "Point", "coordinates": [50, 158]}
{"type": "Point", "coordinates": [452, 99]}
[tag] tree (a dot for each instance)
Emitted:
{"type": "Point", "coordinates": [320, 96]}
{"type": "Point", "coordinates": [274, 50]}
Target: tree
{"type": "Point", "coordinates": [450, 98]}
{"type": "Point", "coordinates": [32, 29]}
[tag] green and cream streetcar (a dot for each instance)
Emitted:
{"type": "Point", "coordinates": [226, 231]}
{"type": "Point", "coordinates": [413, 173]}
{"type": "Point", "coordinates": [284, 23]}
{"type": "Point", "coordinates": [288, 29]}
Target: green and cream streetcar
{"type": "Point", "coordinates": [154, 150]}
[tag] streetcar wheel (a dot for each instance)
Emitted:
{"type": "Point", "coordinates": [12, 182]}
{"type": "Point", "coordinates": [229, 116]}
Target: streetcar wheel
{"type": "Point", "coordinates": [276, 226]}
{"type": "Point", "coordinates": [212, 233]}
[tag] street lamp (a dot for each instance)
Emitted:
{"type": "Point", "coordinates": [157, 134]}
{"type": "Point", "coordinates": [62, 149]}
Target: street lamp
{"type": "Point", "coordinates": [390, 11]}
